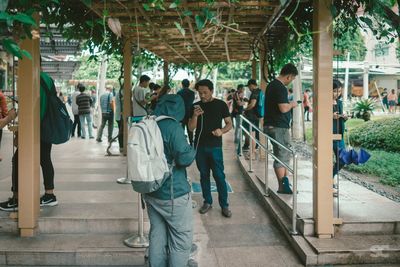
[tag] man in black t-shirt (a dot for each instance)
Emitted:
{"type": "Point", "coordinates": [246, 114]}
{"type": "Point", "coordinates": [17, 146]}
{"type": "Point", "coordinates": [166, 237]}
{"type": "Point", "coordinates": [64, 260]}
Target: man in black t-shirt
{"type": "Point", "coordinates": [206, 117]}
{"type": "Point", "coordinates": [251, 113]}
{"type": "Point", "coordinates": [277, 121]}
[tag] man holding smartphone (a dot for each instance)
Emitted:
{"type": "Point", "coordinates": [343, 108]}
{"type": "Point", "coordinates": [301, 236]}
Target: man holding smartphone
{"type": "Point", "coordinates": [277, 120]}
{"type": "Point", "coordinates": [206, 117]}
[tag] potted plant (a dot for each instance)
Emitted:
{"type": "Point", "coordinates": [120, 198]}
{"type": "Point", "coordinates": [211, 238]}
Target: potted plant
{"type": "Point", "coordinates": [363, 109]}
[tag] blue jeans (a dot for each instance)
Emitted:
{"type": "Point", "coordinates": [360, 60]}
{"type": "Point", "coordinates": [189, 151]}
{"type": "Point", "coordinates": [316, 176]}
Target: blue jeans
{"type": "Point", "coordinates": [171, 234]}
{"type": "Point", "coordinates": [211, 158]}
{"type": "Point", "coordinates": [337, 145]}
{"type": "Point", "coordinates": [88, 118]}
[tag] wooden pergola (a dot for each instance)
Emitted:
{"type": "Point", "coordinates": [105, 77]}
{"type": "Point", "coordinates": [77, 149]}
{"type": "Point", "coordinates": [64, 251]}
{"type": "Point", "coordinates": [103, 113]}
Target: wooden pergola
{"type": "Point", "coordinates": [231, 37]}
{"type": "Point", "coordinates": [258, 22]}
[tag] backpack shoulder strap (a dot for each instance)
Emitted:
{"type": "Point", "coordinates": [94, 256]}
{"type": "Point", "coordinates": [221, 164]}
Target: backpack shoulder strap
{"type": "Point", "coordinates": [163, 117]}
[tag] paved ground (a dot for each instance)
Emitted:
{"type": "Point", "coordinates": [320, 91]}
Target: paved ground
{"type": "Point", "coordinates": [249, 238]}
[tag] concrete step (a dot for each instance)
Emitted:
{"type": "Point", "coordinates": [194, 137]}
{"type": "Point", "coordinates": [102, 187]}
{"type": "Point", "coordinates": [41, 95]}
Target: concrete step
{"type": "Point", "coordinates": [357, 249]}
{"type": "Point", "coordinates": [66, 249]}
{"type": "Point", "coordinates": [70, 218]}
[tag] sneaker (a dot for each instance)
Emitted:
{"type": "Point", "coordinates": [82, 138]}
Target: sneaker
{"type": "Point", "coordinates": [226, 212]}
{"type": "Point", "coordinates": [83, 137]}
{"type": "Point", "coordinates": [48, 200]}
{"type": "Point", "coordinates": [205, 208]}
{"type": "Point", "coordinates": [91, 137]}
{"type": "Point", "coordinates": [99, 140]}
{"type": "Point", "coordinates": [10, 205]}
{"type": "Point", "coordinates": [286, 186]}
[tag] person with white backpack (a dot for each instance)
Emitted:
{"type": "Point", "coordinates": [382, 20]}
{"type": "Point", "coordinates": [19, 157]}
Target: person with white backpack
{"type": "Point", "coordinates": [158, 155]}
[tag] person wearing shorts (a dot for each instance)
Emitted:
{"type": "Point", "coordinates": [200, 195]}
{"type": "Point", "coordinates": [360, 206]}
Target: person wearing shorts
{"type": "Point", "coordinates": [277, 121]}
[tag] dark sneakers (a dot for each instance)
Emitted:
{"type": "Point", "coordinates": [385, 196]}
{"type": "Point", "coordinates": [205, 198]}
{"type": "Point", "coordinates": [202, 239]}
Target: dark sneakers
{"type": "Point", "coordinates": [10, 205]}
{"type": "Point", "coordinates": [226, 212]}
{"type": "Point", "coordinates": [205, 208]}
{"type": "Point", "coordinates": [48, 200]}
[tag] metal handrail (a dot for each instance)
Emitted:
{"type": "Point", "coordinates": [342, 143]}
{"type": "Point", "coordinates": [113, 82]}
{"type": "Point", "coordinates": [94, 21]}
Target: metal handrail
{"type": "Point", "coordinates": [268, 153]}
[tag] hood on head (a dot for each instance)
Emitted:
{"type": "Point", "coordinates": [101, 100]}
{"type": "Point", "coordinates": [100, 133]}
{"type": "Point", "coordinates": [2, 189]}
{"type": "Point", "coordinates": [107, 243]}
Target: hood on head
{"type": "Point", "coordinates": [170, 105]}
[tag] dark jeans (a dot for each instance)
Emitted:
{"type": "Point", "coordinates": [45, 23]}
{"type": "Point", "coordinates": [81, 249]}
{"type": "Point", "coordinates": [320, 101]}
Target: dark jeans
{"type": "Point", "coordinates": [337, 145]}
{"type": "Point", "coordinates": [120, 133]}
{"type": "Point", "coordinates": [211, 158]}
{"type": "Point", "coordinates": [109, 119]}
{"type": "Point", "coordinates": [1, 135]}
{"type": "Point", "coordinates": [190, 134]}
{"type": "Point", "coordinates": [76, 122]}
{"type": "Point", "coordinates": [307, 110]}
{"type": "Point", "coordinates": [45, 162]}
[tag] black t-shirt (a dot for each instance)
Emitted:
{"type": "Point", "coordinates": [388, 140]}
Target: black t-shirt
{"type": "Point", "coordinates": [276, 93]}
{"type": "Point", "coordinates": [214, 112]}
{"type": "Point", "coordinates": [252, 114]}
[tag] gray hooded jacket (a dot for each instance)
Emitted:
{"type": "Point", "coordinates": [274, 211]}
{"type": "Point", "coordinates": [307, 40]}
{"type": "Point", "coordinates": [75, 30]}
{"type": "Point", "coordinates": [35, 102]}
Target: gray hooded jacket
{"type": "Point", "coordinates": [176, 148]}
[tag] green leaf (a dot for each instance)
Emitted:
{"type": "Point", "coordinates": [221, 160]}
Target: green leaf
{"type": "Point", "coordinates": [175, 4]}
{"type": "Point", "coordinates": [21, 17]}
{"type": "Point", "coordinates": [12, 47]}
{"type": "Point", "coordinates": [200, 22]}
{"type": "Point", "coordinates": [56, 1]}
{"type": "Point", "coordinates": [26, 54]}
{"type": "Point", "coordinates": [146, 7]}
{"type": "Point", "coordinates": [180, 28]}
{"type": "Point", "coordinates": [187, 13]}
{"type": "Point", "coordinates": [87, 2]}
{"type": "Point", "coordinates": [4, 15]}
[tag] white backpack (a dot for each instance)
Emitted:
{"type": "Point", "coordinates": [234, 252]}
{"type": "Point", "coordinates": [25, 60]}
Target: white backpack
{"type": "Point", "coordinates": [147, 164]}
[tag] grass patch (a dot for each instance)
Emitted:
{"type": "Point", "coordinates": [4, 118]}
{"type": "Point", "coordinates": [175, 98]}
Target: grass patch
{"type": "Point", "coordinates": [383, 164]}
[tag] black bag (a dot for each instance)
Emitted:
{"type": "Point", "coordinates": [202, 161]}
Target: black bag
{"type": "Point", "coordinates": [55, 127]}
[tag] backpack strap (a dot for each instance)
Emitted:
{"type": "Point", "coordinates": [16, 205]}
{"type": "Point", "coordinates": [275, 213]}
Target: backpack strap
{"type": "Point", "coordinates": [163, 117]}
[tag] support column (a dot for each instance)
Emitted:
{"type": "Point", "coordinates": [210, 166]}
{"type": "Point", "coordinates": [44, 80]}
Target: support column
{"type": "Point", "coordinates": [127, 109]}
{"type": "Point", "coordinates": [254, 69]}
{"type": "Point", "coordinates": [297, 129]}
{"type": "Point", "coordinates": [346, 79]}
{"type": "Point", "coordinates": [263, 72]}
{"type": "Point", "coordinates": [366, 81]}
{"type": "Point", "coordinates": [166, 75]}
{"type": "Point", "coordinates": [29, 138]}
{"type": "Point", "coordinates": [322, 120]}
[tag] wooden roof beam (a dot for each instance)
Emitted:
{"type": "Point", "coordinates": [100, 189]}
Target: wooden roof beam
{"type": "Point", "coordinates": [155, 30]}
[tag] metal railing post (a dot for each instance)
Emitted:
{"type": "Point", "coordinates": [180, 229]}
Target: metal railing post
{"type": "Point", "coordinates": [139, 240]}
{"type": "Point", "coordinates": [240, 136]}
{"type": "Point", "coordinates": [126, 180]}
{"type": "Point", "coordinates": [266, 169]}
{"type": "Point", "coordinates": [251, 148]}
{"type": "Point", "coordinates": [294, 211]}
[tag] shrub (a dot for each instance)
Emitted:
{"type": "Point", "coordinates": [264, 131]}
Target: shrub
{"type": "Point", "coordinates": [381, 134]}
{"type": "Point", "coordinates": [382, 164]}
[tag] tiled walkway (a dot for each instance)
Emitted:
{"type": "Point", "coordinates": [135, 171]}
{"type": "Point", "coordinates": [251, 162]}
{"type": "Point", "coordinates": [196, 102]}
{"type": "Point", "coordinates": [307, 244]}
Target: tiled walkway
{"type": "Point", "coordinates": [86, 188]}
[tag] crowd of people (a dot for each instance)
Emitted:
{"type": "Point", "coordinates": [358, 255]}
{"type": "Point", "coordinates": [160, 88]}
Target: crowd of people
{"type": "Point", "coordinates": [195, 134]}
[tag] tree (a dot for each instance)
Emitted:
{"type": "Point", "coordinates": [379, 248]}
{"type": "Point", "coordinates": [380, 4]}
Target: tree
{"type": "Point", "coordinates": [353, 42]}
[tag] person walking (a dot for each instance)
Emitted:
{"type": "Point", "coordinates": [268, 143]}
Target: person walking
{"type": "Point", "coordinates": [84, 102]}
{"type": "Point", "coordinates": [277, 119]}
{"type": "Point", "coordinates": [250, 112]}
{"type": "Point", "coordinates": [237, 109]}
{"type": "Point", "coordinates": [392, 101]}
{"type": "Point", "coordinates": [206, 117]}
{"type": "Point", "coordinates": [48, 199]}
{"type": "Point", "coordinates": [107, 114]}
{"type": "Point", "coordinates": [171, 222]}
{"type": "Point", "coordinates": [3, 113]}
{"type": "Point", "coordinates": [119, 104]}
{"type": "Point", "coordinates": [188, 98]}
{"type": "Point", "coordinates": [75, 111]}
{"type": "Point", "coordinates": [140, 96]}
{"type": "Point", "coordinates": [307, 104]}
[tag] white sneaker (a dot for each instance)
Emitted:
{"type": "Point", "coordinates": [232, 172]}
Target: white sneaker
{"type": "Point", "coordinates": [124, 180]}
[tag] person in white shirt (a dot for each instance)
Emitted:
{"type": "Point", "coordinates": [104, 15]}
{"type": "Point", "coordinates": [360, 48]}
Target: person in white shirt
{"type": "Point", "coordinates": [140, 96]}
{"type": "Point", "coordinates": [74, 108]}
